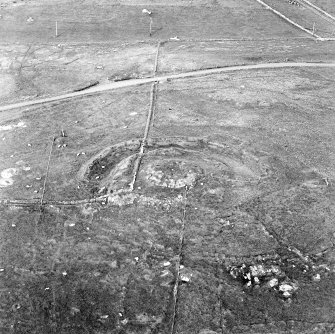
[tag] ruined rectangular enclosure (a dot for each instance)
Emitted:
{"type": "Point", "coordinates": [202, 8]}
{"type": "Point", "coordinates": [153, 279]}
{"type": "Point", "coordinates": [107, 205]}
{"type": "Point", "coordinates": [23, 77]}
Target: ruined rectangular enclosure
{"type": "Point", "coordinates": [181, 182]}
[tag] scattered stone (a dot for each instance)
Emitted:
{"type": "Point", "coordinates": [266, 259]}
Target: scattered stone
{"type": "Point", "coordinates": [74, 310]}
{"type": "Point", "coordinates": [316, 278]}
{"type": "Point", "coordinates": [260, 270]}
{"type": "Point", "coordinates": [264, 104]}
{"type": "Point", "coordinates": [146, 11]}
{"type": "Point", "coordinates": [102, 190]}
{"type": "Point", "coordinates": [30, 19]}
{"type": "Point", "coordinates": [99, 67]}
{"type": "Point", "coordinates": [273, 282]}
{"type": "Point", "coordinates": [16, 306]}
{"type": "Point", "coordinates": [185, 278]}
{"type": "Point", "coordinates": [165, 273]}
{"type": "Point", "coordinates": [113, 264]}
{"type": "Point", "coordinates": [269, 275]}
{"type": "Point", "coordinates": [287, 294]}
{"type": "Point", "coordinates": [62, 145]}
{"type": "Point", "coordinates": [288, 289]}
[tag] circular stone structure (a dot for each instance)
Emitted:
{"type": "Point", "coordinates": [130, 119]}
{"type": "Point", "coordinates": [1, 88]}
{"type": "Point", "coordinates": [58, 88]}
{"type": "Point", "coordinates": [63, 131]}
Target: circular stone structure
{"type": "Point", "coordinates": [172, 164]}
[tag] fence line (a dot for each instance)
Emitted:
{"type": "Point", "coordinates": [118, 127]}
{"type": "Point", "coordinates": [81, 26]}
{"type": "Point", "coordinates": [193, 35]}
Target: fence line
{"type": "Point", "coordinates": [148, 123]}
{"type": "Point", "coordinates": [289, 20]}
{"type": "Point", "coordinates": [319, 9]}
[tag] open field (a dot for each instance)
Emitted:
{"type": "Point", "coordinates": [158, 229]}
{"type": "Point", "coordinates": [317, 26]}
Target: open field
{"type": "Point", "coordinates": [38, 71]}
{"type": "Point", "coordinates": [326, 5]}
{"type": "Point", "coordinates": [176, 57]}
{"type": "Point", "coordinates": [84, 21]}
{"type": "Point", "coordinates": [192, 203]}
{"type": "Point", "coordinates": [264, 104]}
{"type": "Point", "coordinates": [307, 17]}
{"type": "Point", "coordinates": [31, 71]}
{"type": "Point", "coordinates": [86, 124]}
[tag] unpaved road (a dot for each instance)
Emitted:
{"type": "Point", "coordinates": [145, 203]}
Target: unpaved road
{"type": "Point", "coordinates": [136, 82]}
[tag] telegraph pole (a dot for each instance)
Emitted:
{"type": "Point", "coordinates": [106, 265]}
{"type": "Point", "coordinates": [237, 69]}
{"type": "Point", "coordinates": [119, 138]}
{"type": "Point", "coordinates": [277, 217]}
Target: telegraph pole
{"type": "Point", "coordinates": [149, 13]}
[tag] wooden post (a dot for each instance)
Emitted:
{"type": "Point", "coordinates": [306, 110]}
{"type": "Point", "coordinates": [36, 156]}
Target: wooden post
{"type": "Point", "coordinates": [313, 28]}
{"type": "Point", "coordinates": [56, 29]}
{"type": "Point", "coordinates": [150, 28]}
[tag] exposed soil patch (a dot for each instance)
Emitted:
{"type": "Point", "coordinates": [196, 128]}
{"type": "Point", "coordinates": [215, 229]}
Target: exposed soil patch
{"type": "Point", "coordinates": [172, 174]}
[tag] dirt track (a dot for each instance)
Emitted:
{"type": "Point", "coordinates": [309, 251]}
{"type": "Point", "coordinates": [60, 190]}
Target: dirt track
{"type": "Point", "coordinates": [136, 82]}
